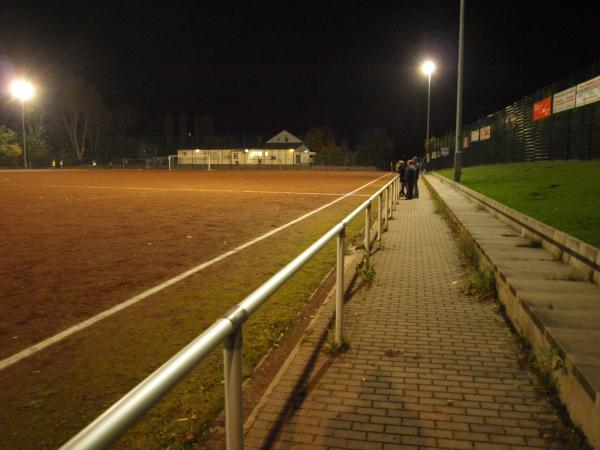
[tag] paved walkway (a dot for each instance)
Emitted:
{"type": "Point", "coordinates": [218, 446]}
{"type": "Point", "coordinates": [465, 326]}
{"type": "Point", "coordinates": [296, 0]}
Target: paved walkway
{"type": "Point", "coordinates": [428, 366]}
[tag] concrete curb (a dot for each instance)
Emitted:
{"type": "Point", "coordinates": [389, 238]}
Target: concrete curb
{"type": "Point", "coordinates": [568, 249]}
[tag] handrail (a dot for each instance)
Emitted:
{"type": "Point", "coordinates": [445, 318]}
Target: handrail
{"type": "Point", "coordinates": [116, 420]}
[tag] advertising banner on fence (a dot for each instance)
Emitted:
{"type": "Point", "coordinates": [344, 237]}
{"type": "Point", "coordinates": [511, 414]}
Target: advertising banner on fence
{"type": "Point", "coordinates": [475, 135]}
{"type": "Point", "coordinates": [588, 92]}
{"type": "Point", "coordinates": [542, 109]}
{"type": "Point", "coordinates": [564, 100]}
{"type": "Point", "coordinates": [485, 133]}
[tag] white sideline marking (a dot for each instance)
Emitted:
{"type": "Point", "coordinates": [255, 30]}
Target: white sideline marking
{"type": "Point", "coordinates": [125, 188]}
{"type": "Point", "coordinates": [109, 312]}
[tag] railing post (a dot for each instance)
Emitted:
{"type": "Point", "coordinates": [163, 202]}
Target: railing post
{"type": "Point", "coordinates": [379, 224]}
{"type": "Point", "coordinates": [368, 230]}
{"type": "Point", "coordinates": [386, 212]}
{"type": "Point", "coordinates": [232, 368]}
{"type": "Point", "coordinates": [389, 202]}
{"type": "Point", "coordinates": [339, 288]}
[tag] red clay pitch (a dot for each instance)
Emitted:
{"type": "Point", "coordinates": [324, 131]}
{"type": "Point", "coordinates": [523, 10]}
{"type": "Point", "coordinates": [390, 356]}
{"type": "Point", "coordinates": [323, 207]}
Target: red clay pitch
{"type": "Point", "coordinates": [78, 242]}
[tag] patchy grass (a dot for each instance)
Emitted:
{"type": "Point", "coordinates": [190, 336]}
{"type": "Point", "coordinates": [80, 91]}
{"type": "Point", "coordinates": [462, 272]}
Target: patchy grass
{"type": "Point", "coordinates": [563, 194]}
{"type": "Point", "coordinates": [366, 270]}
{"type": "Point", "coordinates": [543, 366]}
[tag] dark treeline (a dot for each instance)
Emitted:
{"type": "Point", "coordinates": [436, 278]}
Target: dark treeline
{"type": "Point", "coordinates": [73, 123]}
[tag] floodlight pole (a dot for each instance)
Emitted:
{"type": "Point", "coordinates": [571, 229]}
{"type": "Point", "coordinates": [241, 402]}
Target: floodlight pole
{"type": "Point", "coordinates": [428, 108]}
{"type": "Point", "coordinates": [24, 141]}
{"type": "Point", "coordinates": [459, 95]}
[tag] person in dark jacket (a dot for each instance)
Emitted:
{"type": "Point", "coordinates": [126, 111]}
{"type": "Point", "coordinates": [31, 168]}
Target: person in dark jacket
{"type": "Point", "coordinates": [402, 173]}
{"type": "Point", "coordinates": [417, 171]}
{"type": "Point", "coordinates": [411, 177]}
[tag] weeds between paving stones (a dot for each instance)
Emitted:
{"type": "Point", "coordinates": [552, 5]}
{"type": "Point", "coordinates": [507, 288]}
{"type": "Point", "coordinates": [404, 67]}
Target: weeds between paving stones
{"type": "Point", "coordinates": [540, 366]}
{"type": "Point", "coordinates": [533, 243]}
{"type": "Point", "coordinates": [331, 347]}
{"type": "Point", "coordinates": [366, 270]}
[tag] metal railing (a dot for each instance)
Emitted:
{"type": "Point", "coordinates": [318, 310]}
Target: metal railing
{"type": "Point", "coordinates": [115, 421]}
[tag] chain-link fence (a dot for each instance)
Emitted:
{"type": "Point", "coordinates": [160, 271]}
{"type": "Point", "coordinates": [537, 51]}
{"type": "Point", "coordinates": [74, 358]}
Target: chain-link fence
{"type": "Point", "coordinates": [559, 121]}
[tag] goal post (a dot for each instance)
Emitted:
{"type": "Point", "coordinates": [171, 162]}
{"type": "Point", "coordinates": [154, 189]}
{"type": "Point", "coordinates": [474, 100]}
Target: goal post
{"type": "Point", "coordinates": [188, 161]}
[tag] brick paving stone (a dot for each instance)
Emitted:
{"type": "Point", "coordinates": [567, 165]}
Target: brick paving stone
{"type": "Point", "coordinates": [428, 365]}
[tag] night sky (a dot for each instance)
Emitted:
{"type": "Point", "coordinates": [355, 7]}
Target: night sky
{"type": "Point", "coordinates": [261, 67]}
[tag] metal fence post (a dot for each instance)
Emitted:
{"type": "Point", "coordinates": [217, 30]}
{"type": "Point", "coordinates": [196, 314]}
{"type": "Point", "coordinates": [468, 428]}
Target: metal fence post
{"type": "Point", "coordinates": [379, 224]}
{"type": "Point", "coordinates": [233, 391]}
{"type": "Point", "coordinates": [385, 209]}
{"type": "Point", "coordinates": [368, 230]}
{"type": "Point", "coordinates": [389, 202]}
{"type": "Point", "coordinates": [339, 289]}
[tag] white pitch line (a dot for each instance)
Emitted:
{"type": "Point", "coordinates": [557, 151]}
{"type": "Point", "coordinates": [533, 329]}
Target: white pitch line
{"type": "Point", "coordinates": [7, 362]}
{"type": "Point", "coordinates": [131, 188]}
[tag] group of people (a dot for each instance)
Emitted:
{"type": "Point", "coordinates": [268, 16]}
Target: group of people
{"type": "Point", "coordinates": [409, 177]}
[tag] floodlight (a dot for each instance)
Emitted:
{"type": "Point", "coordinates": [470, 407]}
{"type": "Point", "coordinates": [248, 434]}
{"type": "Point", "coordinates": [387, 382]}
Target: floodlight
{"type": "Point", "coordinates": [428, 67]}
{"type": "Point", "coordinates": [21, 89]}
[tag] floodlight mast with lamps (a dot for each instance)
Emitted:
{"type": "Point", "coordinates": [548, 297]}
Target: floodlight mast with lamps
{"type": "Point", "coordinates": [23, 91]}
{"type": "Point", "coordinates": [428, 68]}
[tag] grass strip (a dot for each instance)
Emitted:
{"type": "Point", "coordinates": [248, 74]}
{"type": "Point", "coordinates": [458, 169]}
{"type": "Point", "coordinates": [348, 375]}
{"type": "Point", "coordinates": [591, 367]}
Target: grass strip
{"type": "Point", "coordinates": [562, 194]}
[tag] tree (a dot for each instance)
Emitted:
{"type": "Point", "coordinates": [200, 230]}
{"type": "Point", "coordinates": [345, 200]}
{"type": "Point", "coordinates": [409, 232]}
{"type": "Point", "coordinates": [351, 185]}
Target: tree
{"type": "Point", "coordinates": [206, 129]}
{"type": "Point", "coordinates": [124, 118]}
{"type": "Point", "coordinates": [100, 122]}
{"type": "Point", "coordinates": [375, 147]}
{"type": "Point", "coordinates": [169, 126]}
{"type": "Point", "coordinates": [323, 141]}
{"type": "Point", "coordinates": [38, 149]}
{"type": "Point", "coordinates": [82, 114]}
{"type": "Point", "coordinates": [10, 148]}
{"type": "Point", "coordinates": [183, 129]}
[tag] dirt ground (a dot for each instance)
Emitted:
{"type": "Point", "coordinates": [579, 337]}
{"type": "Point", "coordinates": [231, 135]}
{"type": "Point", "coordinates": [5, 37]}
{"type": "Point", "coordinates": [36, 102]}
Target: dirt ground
{"type": "Point", "coordinates": [78, 242]}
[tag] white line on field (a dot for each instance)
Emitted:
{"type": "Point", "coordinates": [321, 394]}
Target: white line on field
{"type": "Point", "coordinates": [109, 312]}
{"type": "Point", "coordinates": [236, 191]}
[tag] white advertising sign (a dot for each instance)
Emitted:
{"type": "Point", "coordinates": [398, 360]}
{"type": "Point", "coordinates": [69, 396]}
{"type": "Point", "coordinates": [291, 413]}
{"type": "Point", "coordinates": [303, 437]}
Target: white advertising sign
{"type": "Point", "coordinates": [588, 92]}
{"type": "Point", "coordinates": [564, 100]}
{"type": "Point", "coordinates": [475, 135]}
{"type": "Point", "coordinates": [485, 133]}
{"type": "Point", "coordinates": [445, 151]}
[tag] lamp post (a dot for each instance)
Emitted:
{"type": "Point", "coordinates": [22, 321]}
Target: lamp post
{"type": "Point", "coordinates": [428, 67]}
{"type": "Point", "coordinates": [459, 94]}
{"type": "Point", "coordinates": [23, 91]}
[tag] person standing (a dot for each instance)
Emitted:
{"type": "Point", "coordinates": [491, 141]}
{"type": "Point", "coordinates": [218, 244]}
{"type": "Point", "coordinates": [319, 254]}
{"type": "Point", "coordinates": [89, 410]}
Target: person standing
{"type": "Point", "coordinates": [402, 174]}
{"type": "Point", "coordinates": [410, 176]}
{"type": "Point", "coordinates": [417, 170]}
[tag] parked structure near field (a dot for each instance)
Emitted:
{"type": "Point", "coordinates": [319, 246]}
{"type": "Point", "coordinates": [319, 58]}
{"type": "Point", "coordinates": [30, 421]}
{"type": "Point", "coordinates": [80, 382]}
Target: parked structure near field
{"type": "Point", "coordinates": [282, 149]}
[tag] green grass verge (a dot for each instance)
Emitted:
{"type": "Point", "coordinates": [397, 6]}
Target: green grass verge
{"type": "Point", "coordinates": [562, 194]}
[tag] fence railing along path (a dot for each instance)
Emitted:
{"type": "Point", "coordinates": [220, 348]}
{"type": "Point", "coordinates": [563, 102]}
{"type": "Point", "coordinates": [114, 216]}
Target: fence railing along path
{"type": "Point", "coordinates": [115, 421]}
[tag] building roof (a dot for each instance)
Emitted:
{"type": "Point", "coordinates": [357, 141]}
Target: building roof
{"type": "Point", "coordinates": [284, 136]}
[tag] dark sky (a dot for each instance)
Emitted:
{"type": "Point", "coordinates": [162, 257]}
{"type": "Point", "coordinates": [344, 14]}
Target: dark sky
{"type": "Point", "coordinates": [262, 67]}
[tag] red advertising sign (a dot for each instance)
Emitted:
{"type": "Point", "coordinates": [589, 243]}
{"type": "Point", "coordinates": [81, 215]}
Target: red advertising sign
{"type": "Point", "coordinates": [542, 109]}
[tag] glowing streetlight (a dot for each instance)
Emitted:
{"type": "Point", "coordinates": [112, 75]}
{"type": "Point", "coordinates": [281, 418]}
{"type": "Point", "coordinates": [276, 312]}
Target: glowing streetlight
{"type": "Point", "coordinates": [23, 91]}
{"type": "Point", "coordinates": [428, 67]}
